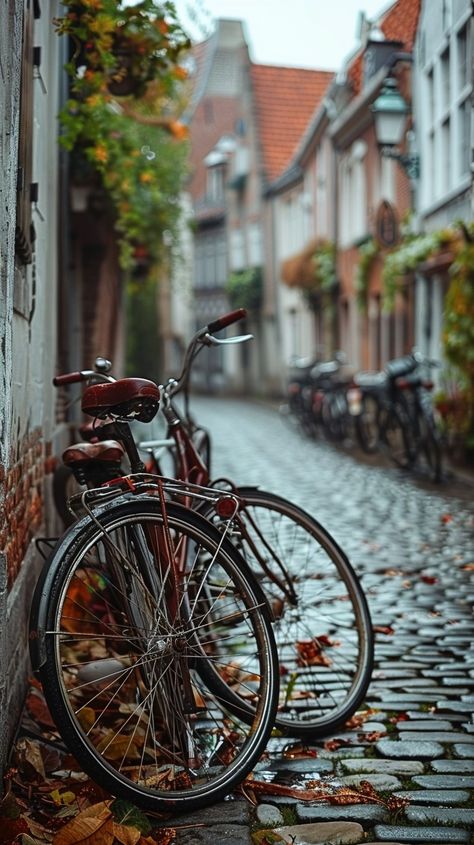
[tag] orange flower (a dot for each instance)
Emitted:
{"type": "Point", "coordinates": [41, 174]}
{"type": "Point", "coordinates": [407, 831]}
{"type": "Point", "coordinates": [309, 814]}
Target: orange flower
{"type": "Point", "coordinates": [180, 72]}
{"type": "Point", "coordinates": [146, 177]}
{"type": "Point", "coordinates": [178, 130]}
{"type": "Point", "coordinates": [100, 153]}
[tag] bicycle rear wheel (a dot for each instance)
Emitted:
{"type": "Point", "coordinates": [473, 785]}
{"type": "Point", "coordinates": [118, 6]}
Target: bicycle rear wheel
{"type": "Point", "coordinates": [429, 454]}
{"type": "Point", "coordinates": [323, 631]}
{"type": "Point", "coordinates": [124, 653]}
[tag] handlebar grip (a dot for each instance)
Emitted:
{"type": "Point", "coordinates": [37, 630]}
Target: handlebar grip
{"type": "Point", "coordinates": [68, 378]}
{"type": "Point", "coordinates": [226, 320]}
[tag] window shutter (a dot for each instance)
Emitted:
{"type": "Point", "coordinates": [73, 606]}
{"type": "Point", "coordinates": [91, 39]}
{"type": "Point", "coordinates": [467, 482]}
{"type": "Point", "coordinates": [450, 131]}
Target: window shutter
{"type": "Point", "coordinates": [23, 232]}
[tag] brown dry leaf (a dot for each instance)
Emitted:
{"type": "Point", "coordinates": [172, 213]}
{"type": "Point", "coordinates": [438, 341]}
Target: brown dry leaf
{"type": "Point", "coordinates": [400, 717]}
{"type": "Point", "coordinates": [298, 751]}
{"type": "Point", "coordinates": [311, 654]}
{"type": "Point", "coordinates": [468, 567]}
{"type": "Point", "coordinates": [30, 759]}
{"type": "Point", "coordinates": [75, 609]}
{"type": "Point", "coordinates": [93, 826]}
{"type": "Point", "coordinates": [429, 579]}
{"type": "Point", "coordinates": [38, 710]}
{"type": "Point", "coordinates": [341, 796]}
{"type": "Point", "coordinates": [116, 746]}
{"type": "Point", "coordinates": [394, 804]}
{"type": "Point", "coordinates": [163, 836]}
{"type": "Point", "coordinates": [86, 718]}
{"type": "Point", "coordinates": [126, 834]}
{"type": "Point", "coordinates": [39, 831]}
{"type": "Point", "coordinates": [383, 629]}
{"type": "Point", "coordinates": [278, 607]}
{"type": "Point", "coordinates": [26, 839]}
{"type": "Point", "coordinates": [371, 736]}
{"type": "Point", "coordinates": [334, 744]}
{"type": "Point", "coordinates": [360, 718]}
{"type": "Point", "coordinates": [366, 788]}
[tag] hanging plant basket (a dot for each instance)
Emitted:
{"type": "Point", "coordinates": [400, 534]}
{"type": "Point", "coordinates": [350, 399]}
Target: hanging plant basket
{"type": "Point", "coordinates": [132, 70]}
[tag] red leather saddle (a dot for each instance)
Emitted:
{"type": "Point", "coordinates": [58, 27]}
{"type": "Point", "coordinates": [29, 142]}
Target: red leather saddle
{"type": "Point", "coordinates": [128, 398]}
{"type": "Point", "coordinates": [109, 451]}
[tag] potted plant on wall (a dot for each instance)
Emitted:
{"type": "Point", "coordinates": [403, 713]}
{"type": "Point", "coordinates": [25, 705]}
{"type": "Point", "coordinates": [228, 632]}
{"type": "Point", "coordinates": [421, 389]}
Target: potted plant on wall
{"type": "Point", "coordinates": [125, 46]}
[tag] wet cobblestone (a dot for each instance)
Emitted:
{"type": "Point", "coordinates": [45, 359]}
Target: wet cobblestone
{"type": "Point", "coordinates": [412, 545]}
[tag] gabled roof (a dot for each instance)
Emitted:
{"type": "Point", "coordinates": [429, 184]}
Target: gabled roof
{"type": "Point", "coordinates": [285, 100]}
{"type": "Point", "coordinates": [398, 23]}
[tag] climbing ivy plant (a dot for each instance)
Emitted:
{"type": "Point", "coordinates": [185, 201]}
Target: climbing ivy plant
{"type": "Point", "coordinates": [368, 252]}
{"type": "Point", "coordinates": [245, 289]}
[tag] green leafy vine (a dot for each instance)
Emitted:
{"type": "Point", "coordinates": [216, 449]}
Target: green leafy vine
{"type": "Point", "coordinates": [245, 288]}
{"type": "Point", "coordinates": [368, 252]}
{"type": "Point", "coordinates": [132, 143]}
{"type": "Point", "coordinates": [405, 259]}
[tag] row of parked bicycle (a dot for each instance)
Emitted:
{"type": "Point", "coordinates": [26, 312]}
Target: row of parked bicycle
{"type": "Point", "coordinates": [391, 410]}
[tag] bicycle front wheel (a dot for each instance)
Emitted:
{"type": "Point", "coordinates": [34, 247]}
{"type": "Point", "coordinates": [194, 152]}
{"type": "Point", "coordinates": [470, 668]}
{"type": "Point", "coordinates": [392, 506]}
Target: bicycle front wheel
{"type": "Point", "coordinates": [322, 623]}
{"type": "Point", "coordinates": [127, 671]}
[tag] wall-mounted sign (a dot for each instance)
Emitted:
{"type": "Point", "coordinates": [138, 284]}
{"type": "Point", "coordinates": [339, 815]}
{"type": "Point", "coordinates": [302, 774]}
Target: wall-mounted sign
{"type": "Point", "coordinates": [387, 229]}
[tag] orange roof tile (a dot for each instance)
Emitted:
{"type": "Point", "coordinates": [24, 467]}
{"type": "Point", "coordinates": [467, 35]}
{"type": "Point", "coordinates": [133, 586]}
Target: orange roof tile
{"type": "Point", "coordinates": [399, 23]}
{"type": "Point", "coordinates": [285, 100]}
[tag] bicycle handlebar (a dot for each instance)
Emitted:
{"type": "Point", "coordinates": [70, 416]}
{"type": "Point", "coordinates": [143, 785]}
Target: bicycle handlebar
{"type": "Point", "coordinates": [226, 320]}
{"type": "Point", "coordinates": [81, 375]}
{"type": "Point", "coordinates": [67, 378]}
{"type": "Point", "coordinates": [103, 365]}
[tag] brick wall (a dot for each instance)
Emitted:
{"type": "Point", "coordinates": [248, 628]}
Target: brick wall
{"type": "Point", "coordinates": [22, 510]}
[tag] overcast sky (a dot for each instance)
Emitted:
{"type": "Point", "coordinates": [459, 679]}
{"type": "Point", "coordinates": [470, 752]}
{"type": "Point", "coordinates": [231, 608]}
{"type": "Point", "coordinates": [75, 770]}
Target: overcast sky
{"type": "Point", "coordinates": [303, 33]}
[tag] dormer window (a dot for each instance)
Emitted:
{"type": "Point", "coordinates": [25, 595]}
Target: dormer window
{"type": "Point", "coordinates": [216, 164]}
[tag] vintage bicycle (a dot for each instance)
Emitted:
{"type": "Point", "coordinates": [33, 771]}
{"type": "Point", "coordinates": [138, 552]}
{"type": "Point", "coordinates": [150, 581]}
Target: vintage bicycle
{"type": "Point", "coordinates": [321, 618]}
{"type": "Point", "coordinates": [151, 637]}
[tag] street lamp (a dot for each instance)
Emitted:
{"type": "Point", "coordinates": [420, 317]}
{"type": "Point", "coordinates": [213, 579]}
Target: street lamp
{"type": "Point", "coordinates": [390, 111]}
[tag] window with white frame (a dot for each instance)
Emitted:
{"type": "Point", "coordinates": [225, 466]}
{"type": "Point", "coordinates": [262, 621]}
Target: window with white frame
{"type": "Point", "coordinates": [215, 183]}
{"type": "Point", "coordinates": [446, 111]}
{"type": "Point", "coordinates": [237, 250]}
{"type": "Point", "coordinates": [321, 190]}
{"type": "Point", "coordinates": [290, 225]}
{"type": "Point", "coordinates": [254, 245]}
{"type": "Point", "coordinates": [210, 260]}
{"type": "Point", "coordinates": [353, 209]}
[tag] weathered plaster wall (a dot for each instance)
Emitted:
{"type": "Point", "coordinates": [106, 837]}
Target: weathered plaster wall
{"type": "Point", "coordinates": [27, 348]}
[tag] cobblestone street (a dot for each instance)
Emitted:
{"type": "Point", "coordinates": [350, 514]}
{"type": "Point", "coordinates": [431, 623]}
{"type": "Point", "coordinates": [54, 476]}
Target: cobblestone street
{"type": "Point", "coordinates": [412, 545]}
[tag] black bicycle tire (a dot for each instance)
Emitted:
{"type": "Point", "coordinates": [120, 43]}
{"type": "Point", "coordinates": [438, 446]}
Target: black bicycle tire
{"type": "Point", "coordinates": [91, 761]}
{"type": "Point", "coordinates": [430, 443]}
{"type": "Point", "coordinates": [368, 444]}
{"type": "Point", "coordinates": [396, 418]}
{"type": "Point", "coordinates": [326, 724]}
